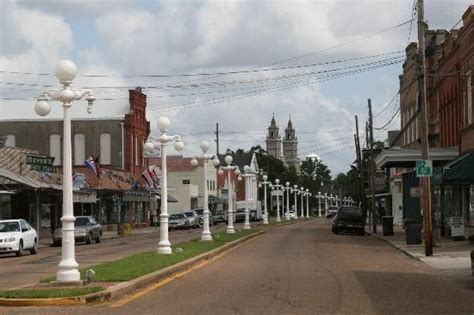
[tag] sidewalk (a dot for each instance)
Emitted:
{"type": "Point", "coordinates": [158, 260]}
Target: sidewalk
{"type": "Point", "coordinates": [453, 257]}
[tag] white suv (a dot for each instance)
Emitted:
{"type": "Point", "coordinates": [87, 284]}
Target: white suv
{"type": "Point", "coordinates": [16, 236]}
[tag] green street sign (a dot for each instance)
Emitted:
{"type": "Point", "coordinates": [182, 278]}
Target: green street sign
{"type": "Point", "coordinates": [424, 168]}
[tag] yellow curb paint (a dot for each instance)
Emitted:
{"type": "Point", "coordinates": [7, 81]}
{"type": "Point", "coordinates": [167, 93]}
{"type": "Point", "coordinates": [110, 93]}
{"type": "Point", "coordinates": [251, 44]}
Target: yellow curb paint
{"type": "Point", "coordinates": [174, 276]}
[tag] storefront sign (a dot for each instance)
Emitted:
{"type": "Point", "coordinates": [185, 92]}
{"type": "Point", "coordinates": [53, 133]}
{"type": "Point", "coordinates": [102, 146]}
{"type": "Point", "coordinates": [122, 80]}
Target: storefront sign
{"type": "Point", "coordinates": [457, 226]}
{"type": "Point", "coordinates": [84, 197]}
{"type": "Point", "coordinates": [41, 163]}
{"type": "Point", "coordinates": [424, 168]}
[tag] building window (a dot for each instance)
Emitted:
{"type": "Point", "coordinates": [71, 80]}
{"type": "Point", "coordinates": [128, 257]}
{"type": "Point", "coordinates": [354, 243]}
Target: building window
{"type": "Point", "coordinates": [55, 148]}
{"type": "Point", "coordinates": [79, 149]}
{"type": "Point", "coordinates": [105, 150]}
{"type": "Point", "coordinates": [11, 141]}
{"type": "Point", "coordinates": [186, 182]}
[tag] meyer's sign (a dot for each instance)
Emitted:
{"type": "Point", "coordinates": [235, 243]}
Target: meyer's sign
{"type": "Point", "coordinates": [41, 163]}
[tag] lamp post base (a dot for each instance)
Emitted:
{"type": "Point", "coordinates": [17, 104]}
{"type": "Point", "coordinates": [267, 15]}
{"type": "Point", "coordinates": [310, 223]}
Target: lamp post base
{"type": "Point", "coordinates": [278, 219]}
{"type": "Point", "coordinates": [230, 230]}
{"type": "Point", "coordinates": [206, 237]}
{"type": "Point", "coordinates": [68, 275]}
{"type": "Point", "coordinates": [247, 226]}
{"type": "Point", "coordinates": [164, 248]}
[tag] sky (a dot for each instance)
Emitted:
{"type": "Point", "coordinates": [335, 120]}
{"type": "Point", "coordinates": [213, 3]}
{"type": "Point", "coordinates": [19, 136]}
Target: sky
{"type": "Point", "coordinates": [235, 63]}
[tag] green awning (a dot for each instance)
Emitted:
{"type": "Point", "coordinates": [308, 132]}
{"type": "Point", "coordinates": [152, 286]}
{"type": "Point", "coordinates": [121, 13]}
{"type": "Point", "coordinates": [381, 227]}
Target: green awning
{"type": "Point", "coordinates": [460, 171]}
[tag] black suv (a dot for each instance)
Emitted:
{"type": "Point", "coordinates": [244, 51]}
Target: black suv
{"type": "Point", "coordinates": [348, 219]}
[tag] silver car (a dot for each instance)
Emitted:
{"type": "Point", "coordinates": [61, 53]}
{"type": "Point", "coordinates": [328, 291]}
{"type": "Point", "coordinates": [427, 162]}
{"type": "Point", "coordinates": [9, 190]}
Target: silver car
{"type": "Point", "coordinates": [178, 221]}
{"type": "Point", "coordinates": [193, 218]}
{"type": "Point", "coordinates": [86, 229]}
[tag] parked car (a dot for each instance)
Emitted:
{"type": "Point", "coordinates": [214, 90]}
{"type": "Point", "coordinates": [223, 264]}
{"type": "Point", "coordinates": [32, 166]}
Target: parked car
{"type": "Point", "coordinates": [220, 216]}
{"type": "Point", "coordinates": [331, 211]}
{"type": "Point", "coordinates": [17, 236]}
{"type": "Point", "coordinates": [292, 214]}
{"type": "Point", "coordinates": [193, 218]}
{"type": "Point", "coordinates": [86, 229]}
{"type": "Point", "coordinates": [178, 221]}
{"type": "Point", "coordinates": [349, 219]}
{"type": "Point", "coordinates": [200, 212]}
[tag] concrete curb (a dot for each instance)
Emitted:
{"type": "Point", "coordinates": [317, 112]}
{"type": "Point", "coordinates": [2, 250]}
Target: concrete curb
{"type": "Point", "coordinates": [124, 288]}
{"type": "Point", "coordinates": [395, 246]}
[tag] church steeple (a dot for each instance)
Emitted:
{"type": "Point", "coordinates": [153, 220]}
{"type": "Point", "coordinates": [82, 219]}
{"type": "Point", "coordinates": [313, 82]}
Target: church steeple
{"type": "Point", "coordinates": [273, 140]}
{"type": "Point", "coordinates": [290, 147]}
{"type": "Point", "coordinates": [290, 131]}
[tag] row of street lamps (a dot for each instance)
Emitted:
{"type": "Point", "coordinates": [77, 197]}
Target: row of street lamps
{"type": "Point", "coordinates": [68, 270]}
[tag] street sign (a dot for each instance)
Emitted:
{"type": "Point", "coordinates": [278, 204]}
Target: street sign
{"type": "Point", "coordinates": [424, 168]}
{"type": "Point", "coordinates": [41, 163]}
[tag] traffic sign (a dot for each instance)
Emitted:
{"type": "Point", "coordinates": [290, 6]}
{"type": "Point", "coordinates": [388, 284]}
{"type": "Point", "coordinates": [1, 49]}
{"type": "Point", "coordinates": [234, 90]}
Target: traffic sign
{"type": "Point", "coordinates": [424, 168]}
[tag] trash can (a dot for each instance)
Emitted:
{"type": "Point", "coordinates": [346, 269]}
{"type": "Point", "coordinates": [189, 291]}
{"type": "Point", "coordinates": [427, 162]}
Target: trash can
{"type": "Point", "coordinates": [413, 231]}
{"type": "Point", "coordinates": [387, 225]}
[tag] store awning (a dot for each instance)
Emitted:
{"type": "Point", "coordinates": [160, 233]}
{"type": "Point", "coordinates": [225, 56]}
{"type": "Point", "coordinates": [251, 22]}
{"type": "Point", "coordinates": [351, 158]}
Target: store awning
{"type": "Point", "coordinates": [398, 157]}
{"type": "Point", "coordinates": [459, 171]}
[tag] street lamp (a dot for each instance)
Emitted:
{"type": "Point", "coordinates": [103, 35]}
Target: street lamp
{"type": "Point", "coordinates": [287, 189]}
{"type": "Point", "coordinates": [265, 183]}
{"type": "Point", "coordinates": [206, 232]}
{"type": "Point", "coordinates": [308, 194]}
{"type": "Point", "coordinates": [326, 203]}
{"type": "Point", "coordinates": [319, 204]}
{"type": "Point", "coordinates": [164, 246]}
{"type": "Point", "coordinates": [302, 200]}
{"type": "Point", "coordinates": [295, 190]}
{"type": "Point", "coordinates": [66, 71]}
{"type": "Point", "coordinates": [277, 188]}
{"type": "Point", "coordinates": [229, 168]}
{"type": "Point", "coordinates": [246, 176]}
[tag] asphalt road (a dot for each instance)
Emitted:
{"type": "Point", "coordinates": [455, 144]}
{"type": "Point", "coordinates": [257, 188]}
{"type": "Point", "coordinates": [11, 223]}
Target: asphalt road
{"type": "Point", "coordinates": [301, 269]}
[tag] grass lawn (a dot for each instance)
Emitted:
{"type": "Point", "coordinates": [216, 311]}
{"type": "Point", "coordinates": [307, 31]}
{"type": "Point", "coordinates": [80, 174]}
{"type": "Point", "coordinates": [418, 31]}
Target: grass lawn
{"type": "Point", "coordinates": [140, 264]}
{"type": "Point", "coordinates": [41, 293]}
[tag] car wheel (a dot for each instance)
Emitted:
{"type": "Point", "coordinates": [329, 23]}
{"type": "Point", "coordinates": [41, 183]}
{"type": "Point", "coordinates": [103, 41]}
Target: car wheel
{"type": "Point", "coordinates": [335, 231]}
{"type": "Point", "coordinates": [186, 226]}
{"type": "Point", "coordinates": [89, 238]}
{"type": "Point", "coordinates": [99, 238]}
{"type": "Point", "coordinates": [20, 251]}
{"type": "Point", "coordinates": [34, 250]}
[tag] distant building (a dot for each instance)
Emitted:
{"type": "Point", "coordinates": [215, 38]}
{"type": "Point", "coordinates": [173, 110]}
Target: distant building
{"type": "Point", "coordinates": [287, 149]}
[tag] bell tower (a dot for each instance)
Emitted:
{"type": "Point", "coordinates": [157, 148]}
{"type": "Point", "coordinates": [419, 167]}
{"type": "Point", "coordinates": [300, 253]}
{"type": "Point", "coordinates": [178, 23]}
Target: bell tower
{"type": "Point", "coordinates": [273, 140]}
{"type": "Point", "coordinates": [290, 147]}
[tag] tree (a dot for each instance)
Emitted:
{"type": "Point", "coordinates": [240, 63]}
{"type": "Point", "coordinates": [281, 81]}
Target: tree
{"type": "Point", "coordinates": [313, 173]}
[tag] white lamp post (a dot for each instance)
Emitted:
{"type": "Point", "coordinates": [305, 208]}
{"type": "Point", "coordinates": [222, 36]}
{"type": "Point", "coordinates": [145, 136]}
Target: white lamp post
{"type": "Point", "coordinates": [164, 246]}
{"type": "Point", "coordinates": [301, 192]}
{"type": "Point", "coordinates": [319, 204]}
{"type": "Point", "coordinates": [246, 176]}
{"type": "Point", "coordinates": [206, 231]}
{"type": "Point", "coordinates": [265, 183]}
{"type": "Point", "coordinates": [66, 71]}
{"type": "Point", "coordinates": [308, 194]}
{"type": "Point", "coordinates": [229, 168]}
{"type": "Point", "coordinates": [287, 189]}
{"type": "Point", "coordinates": [277, 187]}
{"type": "Point", "coordinates": [326, 203]}
{"type": "Point", "coordinates": [295, 190]}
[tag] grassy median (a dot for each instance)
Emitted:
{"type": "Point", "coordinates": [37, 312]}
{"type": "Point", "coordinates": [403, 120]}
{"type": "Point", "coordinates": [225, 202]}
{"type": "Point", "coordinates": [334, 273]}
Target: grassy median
{"type": "Point", "coordinates": [42, 293]}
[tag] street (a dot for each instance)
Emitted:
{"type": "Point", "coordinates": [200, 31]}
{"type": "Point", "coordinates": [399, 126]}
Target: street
{"type": "Point", "coordinates": [300, 269]}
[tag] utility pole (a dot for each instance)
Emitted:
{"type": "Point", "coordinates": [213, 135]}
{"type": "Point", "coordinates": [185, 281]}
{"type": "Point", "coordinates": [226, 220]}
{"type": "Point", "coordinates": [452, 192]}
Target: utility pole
{"type": "Point", "coordinates": [425, 181]}
{"type": "Point", "coordinates": [360, 168]}
{"type": "Point", "coordinates": [372, 170]}
{"type": "Point", "coordinates": [217, 139]}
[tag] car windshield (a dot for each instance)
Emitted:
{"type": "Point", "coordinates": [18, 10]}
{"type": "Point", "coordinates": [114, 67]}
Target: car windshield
{"type": "Point", "coordinates": [176, 216]}
{"type": "Point", "coordinates": [349, 213]}
{"type": "Point", "coordinates": [189, 214]}
{"type": "Point", "coordinates": [199, 211]}
{"type": "Point", "coordinates": [9, 227]}
{"type": "Point", "coordinates": [81, 221]}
